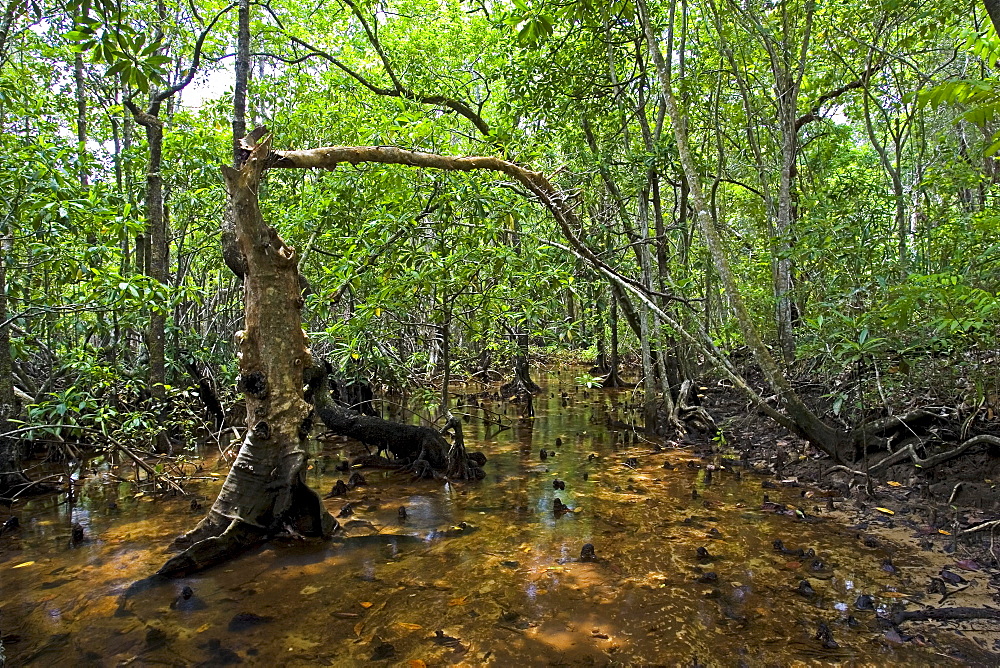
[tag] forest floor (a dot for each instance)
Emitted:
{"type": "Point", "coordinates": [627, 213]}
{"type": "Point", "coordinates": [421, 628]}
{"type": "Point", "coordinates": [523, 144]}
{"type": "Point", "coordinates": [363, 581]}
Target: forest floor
{"type": "Point", "coordinates": [905, 507]}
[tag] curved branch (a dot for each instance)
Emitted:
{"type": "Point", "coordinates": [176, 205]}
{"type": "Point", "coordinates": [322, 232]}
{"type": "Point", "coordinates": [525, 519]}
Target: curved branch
{"type": "Point", "coordinates": [860, 82]}
{"type": "Point", "coordinates": [399, 90]}
{"type": "Point", "coordinates": [374, 41]}
{"type": "Point", "coordinates": [195, 62]}
{"type": "Point", "coordinates": [538, 185]}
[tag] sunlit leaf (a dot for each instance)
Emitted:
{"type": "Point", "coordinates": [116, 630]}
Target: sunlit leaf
{"type": "Point", "coordinates": [409, 626]}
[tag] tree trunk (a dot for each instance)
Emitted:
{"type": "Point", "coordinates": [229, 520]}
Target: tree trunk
{"type": "Point", "coordinates": [445, 360]}
{"type": "Point", "coordinates": [157, 235]}
{"type": "Point", "coordinates": [783, 263]}
{"type": "Point", "coordinates": [993, 9]}
{"type": "Point", "coordinates": [11, 476]}
{"type": "Point", "coordinates": [522, 383]}
{"type": "Point", "coordinates": [613, 378]}
{"type": "Point", "coordinates": [806, 423]}
{"type": "Point", "coordinates": [265, 491]}
{"type": "Point", "coordinates": [231, 254]}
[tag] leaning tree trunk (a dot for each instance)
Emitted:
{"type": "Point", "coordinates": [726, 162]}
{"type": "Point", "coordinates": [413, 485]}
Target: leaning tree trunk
{"type": "Point", "coordinates": [797, 415]}
{"type": "Point", "coordinates": [265, 491]}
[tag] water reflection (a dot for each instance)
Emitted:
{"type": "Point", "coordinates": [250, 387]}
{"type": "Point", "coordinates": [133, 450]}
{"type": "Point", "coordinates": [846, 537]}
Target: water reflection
{"type": "Point", "coordinates": [505, 588]}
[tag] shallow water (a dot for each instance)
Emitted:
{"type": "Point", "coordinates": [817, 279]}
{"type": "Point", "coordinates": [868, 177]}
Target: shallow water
{"type": "Point", "coordinates": [507, 590]}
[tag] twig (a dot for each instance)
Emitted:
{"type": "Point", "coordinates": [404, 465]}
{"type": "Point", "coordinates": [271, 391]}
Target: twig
{"type": "Point", "coordinates": [840, 467]}
{"type": "Point", "coordinates": [121, 446]}
{"type": "Point", "coordinates": [979, 527]}
{"type": "Point", "coordinates": [954, 491]}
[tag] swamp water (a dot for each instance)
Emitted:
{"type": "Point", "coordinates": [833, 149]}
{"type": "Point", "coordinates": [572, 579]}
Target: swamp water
{"type": "Point", "coordinates": [507, 588]}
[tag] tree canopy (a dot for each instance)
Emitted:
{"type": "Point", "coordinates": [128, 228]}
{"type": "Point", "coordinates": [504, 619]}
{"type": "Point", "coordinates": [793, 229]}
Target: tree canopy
{"type": "Point", "coordinates": [810, 181]}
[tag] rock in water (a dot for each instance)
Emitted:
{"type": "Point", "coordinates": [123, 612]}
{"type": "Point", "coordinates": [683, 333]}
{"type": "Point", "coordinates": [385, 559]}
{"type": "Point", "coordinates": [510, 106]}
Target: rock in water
{"type": "Point", "coordinates": [78, 534]}
{"type": "Point", "coordinates": [339, 489]}
{"type": "Point", "coordinates": [588, 553]}
{"type": "Point", "coordinates": [242, 621]}
{"type": "Point", "coordinates": [383, 651]}
{"type": "Point", "coordinates": [825, 636]}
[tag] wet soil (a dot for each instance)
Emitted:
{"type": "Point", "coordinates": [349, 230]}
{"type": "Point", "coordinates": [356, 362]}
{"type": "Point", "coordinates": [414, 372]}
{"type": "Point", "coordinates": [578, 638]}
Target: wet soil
{"type": "Point", "coordinates": [683, 568]}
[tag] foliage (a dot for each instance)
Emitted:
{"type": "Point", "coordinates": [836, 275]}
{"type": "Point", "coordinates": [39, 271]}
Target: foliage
{"type": "Point", "coordinates": [892, 243]}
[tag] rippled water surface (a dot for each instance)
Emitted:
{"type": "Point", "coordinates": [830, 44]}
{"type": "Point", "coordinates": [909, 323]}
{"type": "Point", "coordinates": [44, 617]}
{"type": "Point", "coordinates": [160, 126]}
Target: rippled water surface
{"type": "Point", "coordinates": [507, 589]}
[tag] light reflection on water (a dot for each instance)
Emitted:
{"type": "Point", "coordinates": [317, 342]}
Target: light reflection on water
{"type": "Point", "coordinates": [509, 590]}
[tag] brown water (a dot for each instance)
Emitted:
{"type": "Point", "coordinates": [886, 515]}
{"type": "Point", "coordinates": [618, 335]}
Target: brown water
{"type": "Point", "coordinates": [509, 590]}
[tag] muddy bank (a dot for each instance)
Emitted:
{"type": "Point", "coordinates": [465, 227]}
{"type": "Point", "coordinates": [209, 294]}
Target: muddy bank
{"type": "Point", "coordinates": [935, 512]}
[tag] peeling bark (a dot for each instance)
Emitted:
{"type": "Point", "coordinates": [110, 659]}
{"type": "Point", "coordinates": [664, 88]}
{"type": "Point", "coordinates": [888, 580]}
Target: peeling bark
{"type": "Point", "coordinates": [265, 491]}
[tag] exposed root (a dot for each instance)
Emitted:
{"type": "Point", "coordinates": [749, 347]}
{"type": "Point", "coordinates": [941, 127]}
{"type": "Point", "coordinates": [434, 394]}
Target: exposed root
{"type": "Point", "coordinates": [910, 451]}
{"type": "Point", "coordinates": [422, 449]}
{"type": "Point", "coordinates": [237, 538]}
{"type": "Point", "coordinates": [614, 380]}
{"type": "Point", "coordinates": [462, 465]}
{"type": "Point", "coordinates": [945, 614]}
{"type": "Point", "coordinates": [519, 388]}
{"type": "Point", "coordinates": [693, 414]}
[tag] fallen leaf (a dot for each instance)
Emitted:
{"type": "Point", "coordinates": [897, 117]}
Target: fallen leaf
{"type": "Point", "coordinates": [893, 483]}
{"type": "Point", "coordinates": [457, 601]}
{"type": "Point", "coordinates": [416, 663]}
{"type": "Point", "coordinates": [886, 511]}
{"type": "Point", "coordinates": [23, 564]}
{"type": "Point", "coordinates": [967, 564]}
{"type": "Point", "coordinates": [366, 604]}
{"type": "Point", "coordinates": [203, 628]}
{"type": "Point", "coordinates": [943, 532]}
{"type": "Point", "coordinates": [309, 589]}
{"type": "Point", "coordinates": [792, 565]}
{"type": "Point", "coordinates": [894, 594]}
{"type": "Point", "coordinates": [358, 628]}
{"type": "Point", "coordinates": [408, 626]}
